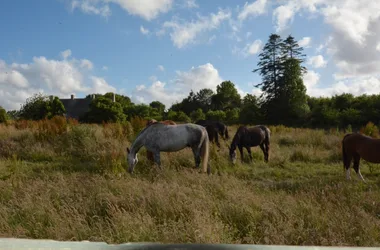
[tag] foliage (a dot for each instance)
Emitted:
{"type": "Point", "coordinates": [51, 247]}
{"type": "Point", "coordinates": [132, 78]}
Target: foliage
{"type": "Point", "coordinates": [3, 115]}
{"type": "Point", "coordinates": [232, 116]}
{"type": "Point", "coordinates": [13, 114]}
{"type": "Point", "coordinates": [103, 109]}
{"type": "Point", "coordinates": [40, 106]}
{"type": "Point", "coordinates": [217, 115]}
{"type": "Point", "coordinates": [197, 115]}
{"type": "Point", "coordinates": [182, 117]}
{"type": "Point", "coordinates": [250, 111]}
{"type": "Point", "coordinates": [370, 129]}
{"type": "Point", "coordinates": [226, 97]}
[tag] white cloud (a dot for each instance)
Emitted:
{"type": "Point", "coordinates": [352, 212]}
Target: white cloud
{"type": "Point", "coordinates": [352, 44]}
{"type": "Point", "coordinates": [203, 76]}
{"type": "Point", "coordinates": [92, 7]}
{"type": "Point", "coordinates": [310, 79]}
{"type": "Point", "coordinates": [87, 64]}
{"type": "Point", "coordinates": [197, 78]}
{"type": "Point", "coordinates": [253, 9]}
{"type": "Point", "coordinates": [317, 61]}
{"type": "Point", "coordinates": [100, 86]}
{"type": "Point", "coordinates": [143, 30]}
{"type": "Point", "coordinates": [146, 9]}
{"type": "Point", "coordinates": [185, 33]}
{"type": "Point", "coordinates": [255, 47]}
{"type": "Point", "coordinates": [305, 42]}
{"type": "Point", "coordinates": [55, 77]}
{"type": "Point", "coordinates": [161, 68]}
{"type": "Point", "coordinates": [249, 49]}
{"type": "Point", "coordinates": [191, 4]}
{"type": "Point", "coordinates": [283, 14]}
{"type": "Point", "coordinates": [66, 54]}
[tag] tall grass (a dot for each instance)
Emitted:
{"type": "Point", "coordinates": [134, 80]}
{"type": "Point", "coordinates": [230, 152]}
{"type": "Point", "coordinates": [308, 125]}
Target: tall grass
{"type": "Point", "coordinates": [67, 181]}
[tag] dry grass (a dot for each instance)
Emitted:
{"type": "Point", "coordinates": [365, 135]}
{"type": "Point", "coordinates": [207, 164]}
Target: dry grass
{"type": "Point", "coordinates": [68, 182]}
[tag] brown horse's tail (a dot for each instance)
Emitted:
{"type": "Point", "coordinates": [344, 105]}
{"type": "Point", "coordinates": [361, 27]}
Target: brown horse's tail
{"type": "Point", "coordinates": [344, 155]}
{"type": "Point", "coordinates": [205, 153]}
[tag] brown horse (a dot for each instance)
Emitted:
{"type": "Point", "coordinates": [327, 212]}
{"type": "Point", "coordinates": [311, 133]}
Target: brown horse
{"type": "Point", "coordinates": [149, 154]}
{"type": "Point", "coordinates": [356, 146]}
{"type": "Point", "coordinates": [247, 137]}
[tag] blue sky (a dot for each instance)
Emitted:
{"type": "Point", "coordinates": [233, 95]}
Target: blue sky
{"type": "Point", "coordinates": [159, 50]}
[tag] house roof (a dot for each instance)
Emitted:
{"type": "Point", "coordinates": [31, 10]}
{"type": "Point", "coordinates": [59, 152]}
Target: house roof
{"type": "Point", "coordinates": [75, 108]}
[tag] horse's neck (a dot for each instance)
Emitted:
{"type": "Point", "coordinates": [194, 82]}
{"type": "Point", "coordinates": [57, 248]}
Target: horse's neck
{"type": "Point", "coordinates": [235, 142]}
{"type": "Point", "coordinates": [137, 144]}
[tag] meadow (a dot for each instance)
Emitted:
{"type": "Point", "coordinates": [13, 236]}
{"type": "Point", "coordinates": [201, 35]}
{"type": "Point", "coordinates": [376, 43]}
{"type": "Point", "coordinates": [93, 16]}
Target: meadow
{"type": "Point", "coordinates": [68, 181]}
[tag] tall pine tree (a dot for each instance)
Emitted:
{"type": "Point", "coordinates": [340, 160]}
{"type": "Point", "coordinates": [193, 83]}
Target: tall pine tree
{"type": "Point", "coordinates": [281, 71]}
{"type": "Point", "coordinates": [270, 67]}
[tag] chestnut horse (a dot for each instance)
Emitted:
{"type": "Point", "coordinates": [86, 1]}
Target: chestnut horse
{"type": "Point", "coordinates": [149, 154]}
{"type": "Point", "coordinates": [356, 146]}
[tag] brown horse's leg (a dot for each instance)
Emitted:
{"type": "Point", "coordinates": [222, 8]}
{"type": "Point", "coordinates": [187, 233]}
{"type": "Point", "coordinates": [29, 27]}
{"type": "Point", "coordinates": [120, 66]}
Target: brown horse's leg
{"type": "Point", "coordinates": [241, 153]}
{"type": "Point", "coordinates": [249, 153]}
{"type": "Point", "coordinates": [356, 166]}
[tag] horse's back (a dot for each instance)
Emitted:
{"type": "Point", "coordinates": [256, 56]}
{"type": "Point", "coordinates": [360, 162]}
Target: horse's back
{"type": "Point", "coordinates": [367, 147]}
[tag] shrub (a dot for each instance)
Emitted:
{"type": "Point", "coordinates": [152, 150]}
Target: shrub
{"type": "Point", "coordinates": [370, 129]}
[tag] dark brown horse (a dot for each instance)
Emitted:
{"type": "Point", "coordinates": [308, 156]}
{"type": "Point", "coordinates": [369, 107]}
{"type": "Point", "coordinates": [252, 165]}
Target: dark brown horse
{"type": "Point", "coordinates": [149, 154]}
{"type": "Point", "coordinates": [247, 137]}
{"type": "Point", "coordinates": [213, 134]}
{"type": "Point", "coordinates": [219, 126]}
{"type": "Point", "coordinates": [356, 146]}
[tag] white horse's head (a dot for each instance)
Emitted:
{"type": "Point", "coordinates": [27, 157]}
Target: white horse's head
{"type": "Point", "coordinates": [132, 161]}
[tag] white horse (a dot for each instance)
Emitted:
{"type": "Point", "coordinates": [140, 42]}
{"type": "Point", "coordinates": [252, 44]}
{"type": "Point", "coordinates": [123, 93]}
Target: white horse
{"type": "Point", "coordinates": [160, 137]}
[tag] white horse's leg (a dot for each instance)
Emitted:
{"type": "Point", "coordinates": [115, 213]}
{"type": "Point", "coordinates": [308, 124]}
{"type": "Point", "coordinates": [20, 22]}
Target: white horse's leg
{"type": "Point", "coordinates": [157, 159]}
{"type": "Point", "coordinates": [356, 167]}
{"type": "Point", "coordinates": [197, 156]}
{"type": "Point", "coordinates": [361, 176]}
{"type": "Point", "coordinates": [348, 177]}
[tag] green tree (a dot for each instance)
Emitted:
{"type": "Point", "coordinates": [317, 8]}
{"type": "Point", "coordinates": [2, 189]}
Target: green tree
{"type": "Point", "coordinates": [3, 115]}
{"type": "Point", "coordinates": [250, 111]}
{"type": "Point", "coordinates": [13, 114]}
{"type": "Point", "coordinates": [55, 107]}
{"type": "Point", "coordinates": [187, 105]}
{"type": "Point", "coordinates": [123, 100]}
{"type": "Point", "coordinates": [285, 94]}
{"type": "Point", "coordinates": [291, 50]}
{"type": "Point", "coordinates": [182, 117]}
{"type": "Point", "coordinates": [160, 107]}
{"type": "Point", "coordinates": [103, 109]}
{"type": "Point", "coordinates": [204, 99]}
{"type": "Point", "coordinates": [141, 110]}
{"type": "Point", "coordinates": [270, 67]}
{"type": "Point", "coordinates": [232, 116]}
{"type": "Point", "coordinates": [226, 97]}
{"type": "Point", "coordinates": [197, 115]}
{"type": "Point", "coordinates": [40, 106]}
{"type": "Point", "coordinates": [216, 115]}
{"type": "Point", "coordinates": [293, 99]}
{"type": "Point", "coordinates": [171, 115]}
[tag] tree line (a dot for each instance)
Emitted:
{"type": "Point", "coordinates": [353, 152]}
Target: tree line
{"type": "Point", "coordinates": [284, 100]}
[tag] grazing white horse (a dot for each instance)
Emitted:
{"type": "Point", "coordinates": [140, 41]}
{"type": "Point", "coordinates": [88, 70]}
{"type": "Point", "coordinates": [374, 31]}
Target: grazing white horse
{"type": "Point", "coordinates": [160, 137]}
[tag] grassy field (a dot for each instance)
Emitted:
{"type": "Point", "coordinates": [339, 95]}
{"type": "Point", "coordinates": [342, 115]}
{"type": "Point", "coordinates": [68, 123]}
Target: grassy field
{"type": "Point", "coordinates": [68, 182]}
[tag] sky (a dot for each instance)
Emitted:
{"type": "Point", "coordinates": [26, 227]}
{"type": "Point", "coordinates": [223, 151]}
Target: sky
{"type": "Point", "coordinates": [161, 49]}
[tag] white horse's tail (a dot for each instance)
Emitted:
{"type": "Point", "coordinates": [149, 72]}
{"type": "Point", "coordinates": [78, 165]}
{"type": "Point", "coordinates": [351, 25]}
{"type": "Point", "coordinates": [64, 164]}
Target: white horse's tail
{"type": "Point", "coordinates": [205, 153]}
